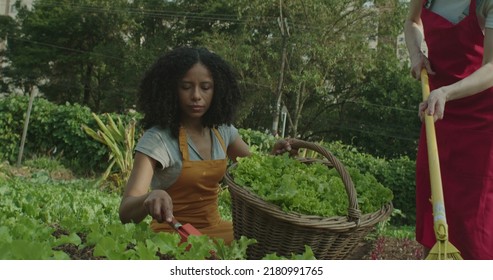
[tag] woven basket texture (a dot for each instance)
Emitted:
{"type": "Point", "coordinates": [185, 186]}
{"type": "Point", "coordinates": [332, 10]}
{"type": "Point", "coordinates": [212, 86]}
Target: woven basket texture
{"type": "Point", "coordinates": [283, 233]}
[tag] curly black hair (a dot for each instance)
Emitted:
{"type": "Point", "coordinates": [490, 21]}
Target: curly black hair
{"type": "Point", "coordinates": [158, 90]}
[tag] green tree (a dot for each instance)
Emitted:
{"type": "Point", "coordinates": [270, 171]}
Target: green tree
{"type": "Point", "coordinates": [302, 54]}
{"type": "Point", "coordinates": [382, 119]}
{"type": "Point", "coordinates": [21, 67]}
{"type": "Point", "coordinates": [340, 80]}
{"type": "Point", "coordinates": [314, 57]}
{"type": "Point", "coordinates": [72, 49]}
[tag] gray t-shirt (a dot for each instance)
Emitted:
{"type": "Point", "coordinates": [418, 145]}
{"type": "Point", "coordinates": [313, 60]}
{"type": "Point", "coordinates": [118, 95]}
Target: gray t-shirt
{"type": "Point", "coordinates": [161, 146]}
{"type": "Point", "coordinates": [455, 11]}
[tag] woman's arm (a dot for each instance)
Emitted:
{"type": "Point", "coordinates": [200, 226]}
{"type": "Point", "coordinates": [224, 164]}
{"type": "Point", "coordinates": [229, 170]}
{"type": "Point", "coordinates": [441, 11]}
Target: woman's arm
{"type": "Point", "coordinates": [137, 201]}
{"type": "Point", "coordinates": [414, 35]}
{"type": "Point", "coordinates": [478, 81]}
{"type": "Point", "coordinates": [413, 28]}
{"type": "Point", "coordinates": [238, 148]}
{"type": "Point", "coordinates": [481, 79]}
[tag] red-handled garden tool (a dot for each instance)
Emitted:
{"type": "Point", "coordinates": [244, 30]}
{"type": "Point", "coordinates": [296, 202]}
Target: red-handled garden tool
{"type": "Point", "coordinates": [443, 249]}
{"type": "Point", "coordinates": [184, 230]}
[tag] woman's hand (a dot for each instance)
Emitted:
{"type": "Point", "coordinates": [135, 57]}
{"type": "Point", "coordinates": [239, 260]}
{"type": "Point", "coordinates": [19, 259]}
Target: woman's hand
{"type": "Point", "coordinates": [418, 62]}
{"type": "Point", "coordinates": [434, 106]}
{"type": "Point", "coordinates": [159, 205]}
{"type": "Point", "coordinates": [282, 146]}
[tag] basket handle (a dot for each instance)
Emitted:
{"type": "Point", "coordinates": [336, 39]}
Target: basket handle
{"type": "Point", "coordinates": [354, 214]}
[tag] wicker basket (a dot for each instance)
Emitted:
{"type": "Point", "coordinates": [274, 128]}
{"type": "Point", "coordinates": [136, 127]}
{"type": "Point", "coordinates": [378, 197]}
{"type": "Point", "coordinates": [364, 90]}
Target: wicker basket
{"type": "Point", "coordinates": [277, 231]}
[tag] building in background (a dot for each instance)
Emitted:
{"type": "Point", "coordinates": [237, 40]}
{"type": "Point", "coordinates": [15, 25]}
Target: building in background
{"type": "Point", "coordinates": [8, 8]}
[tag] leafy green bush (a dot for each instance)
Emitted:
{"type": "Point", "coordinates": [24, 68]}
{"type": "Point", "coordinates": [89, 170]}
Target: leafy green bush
{"type": "Point", "coordinates": [54, 130]}
{"type": "Point", "coordinates": [12, 111]}
{"type": "Point", "coordinates": [398, 174]}
{"type": "Point", "coordinates": [258, 141]}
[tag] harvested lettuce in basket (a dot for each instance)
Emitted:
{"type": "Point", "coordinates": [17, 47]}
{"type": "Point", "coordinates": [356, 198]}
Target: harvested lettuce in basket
{"type": "Point", "coordinates": [310, 189]}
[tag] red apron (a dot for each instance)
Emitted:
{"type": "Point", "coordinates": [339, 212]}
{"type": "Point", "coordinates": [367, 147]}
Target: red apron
{"type": "Point", "coordinates": [195, 194]}
{"type": "Point", "coordinates": [464, 139]}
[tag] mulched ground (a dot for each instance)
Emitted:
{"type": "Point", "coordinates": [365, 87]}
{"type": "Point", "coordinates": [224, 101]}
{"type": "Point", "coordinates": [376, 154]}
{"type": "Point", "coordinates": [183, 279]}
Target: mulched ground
{"type": "Point", "coordinates": [388, 248]}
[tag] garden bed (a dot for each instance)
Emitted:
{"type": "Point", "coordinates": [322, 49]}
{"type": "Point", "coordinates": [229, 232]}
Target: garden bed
{"type": "Point", "coordinates": [381, 247]}
{"type": "Point", "coordinates": [388, 248]}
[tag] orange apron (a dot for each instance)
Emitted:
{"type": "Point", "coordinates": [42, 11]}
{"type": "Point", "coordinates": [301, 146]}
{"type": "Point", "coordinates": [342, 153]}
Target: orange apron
{"type": "Point", "coordinates": [195, 194]}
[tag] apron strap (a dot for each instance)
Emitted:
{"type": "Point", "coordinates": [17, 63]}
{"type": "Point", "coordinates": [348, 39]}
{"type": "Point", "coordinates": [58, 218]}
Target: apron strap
{"type": "Point", "coordinates": [218, 136]}
{"type": "Point", "coordinates": [183, 143]}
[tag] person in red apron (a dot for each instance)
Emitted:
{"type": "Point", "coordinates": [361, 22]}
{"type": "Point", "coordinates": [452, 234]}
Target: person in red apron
{"type": "Point", "coordinates": [460, 67]}
{"type": "Point", "coordinates": [188, 97]}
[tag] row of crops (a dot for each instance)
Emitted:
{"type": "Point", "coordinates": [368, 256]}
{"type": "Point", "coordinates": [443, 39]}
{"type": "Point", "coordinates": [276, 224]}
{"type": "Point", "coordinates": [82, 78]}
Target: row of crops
{"type": "Point", "coordinates": [45, 218]}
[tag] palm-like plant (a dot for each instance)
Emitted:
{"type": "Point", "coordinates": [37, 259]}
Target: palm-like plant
{"type": "Point", "coordinates": [120, 140]}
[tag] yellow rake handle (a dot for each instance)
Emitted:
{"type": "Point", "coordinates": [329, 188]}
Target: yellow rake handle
{"type": "Point", "coordinates": [439, 219]}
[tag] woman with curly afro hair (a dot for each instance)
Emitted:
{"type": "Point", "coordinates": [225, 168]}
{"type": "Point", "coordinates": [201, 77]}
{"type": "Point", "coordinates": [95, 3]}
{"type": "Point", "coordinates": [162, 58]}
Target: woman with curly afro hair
{"type": "Point", "coordinates": [188, 98]}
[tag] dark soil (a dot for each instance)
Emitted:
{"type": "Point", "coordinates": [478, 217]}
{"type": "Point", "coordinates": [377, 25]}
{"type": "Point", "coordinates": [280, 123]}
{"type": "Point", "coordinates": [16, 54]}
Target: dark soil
{"type": "Point", "coordinates": [383, 248]}
{"type": "Point", "coordinates": [388, 248]}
